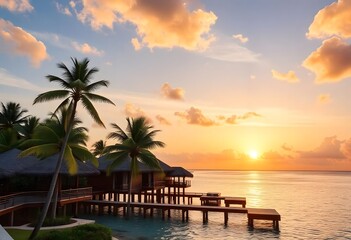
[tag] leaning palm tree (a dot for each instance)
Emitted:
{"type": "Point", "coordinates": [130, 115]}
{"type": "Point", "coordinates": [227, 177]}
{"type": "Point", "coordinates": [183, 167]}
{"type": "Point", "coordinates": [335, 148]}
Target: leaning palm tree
{"type": "Point", "coordinates": [47, 140]}
{"type": "Point", "coordinates": [136, 143]}
{"type": "Point", "coordinates": [77, 87]}
{"type": "Point", "coordinates": [98, 148]}
{"type": "Point", "coordinates": [11, 115]}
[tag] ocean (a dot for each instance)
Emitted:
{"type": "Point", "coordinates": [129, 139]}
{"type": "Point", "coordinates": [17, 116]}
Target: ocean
{"type": "Point", "coordinates": [312, 205]}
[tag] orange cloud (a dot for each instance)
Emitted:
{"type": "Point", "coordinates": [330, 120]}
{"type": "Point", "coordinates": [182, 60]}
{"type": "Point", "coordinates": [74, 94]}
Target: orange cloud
{"type": "Point", "coordinates": [345, 148]}
{"type": "Point", "coordinates": [172, 93]}
{"type": "Point", "coordinates": [87, 49]}
{"type": "Point", "coordinates": [324, 98]}
{"type": "Point", "coordinates": [16, 5]}
{"type": "Point", "coordinates": [194, 116]}
{"type": "Point", "coordinates": [159, 23]}
{"type": "Point", "coordinates": [250, 115]}
{"type": "Point", "coordinates": [132, 111]}
{"type": "Point", "coordinates": [331, 62]}
{"type": "Point", "coordinates": [163, 121]}
{"type": "Point", "coordinates": [136, 44]}
{"type": "Point", "coordinates": [334, 19]}
{"type": "Point", "coordinates": [234, 118]}
{"type": "Point", "coordinates": [329, 149]}
{"type": "Point", "coordinates": [289, 77]}
{"type": "Point", "coordinates": [15, 40]}
{"type": "Point", "coordinates": [241, 38]}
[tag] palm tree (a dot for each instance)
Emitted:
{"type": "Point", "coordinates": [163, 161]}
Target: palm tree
{"type": "Point", "coordinates": [47, 140]}
{"type": "Point", "coordinates": [8, 139]}
{"type": "Point", "coordinates": [77, 86]}
{"type": "Point", "coordinates": [11, 115]}
{"type": "Point", "coordinates": [136, 143]}
{"type": "Point", "coordinates": [98, 148]}
{"type": "Point", "coordinates": [27, 129]}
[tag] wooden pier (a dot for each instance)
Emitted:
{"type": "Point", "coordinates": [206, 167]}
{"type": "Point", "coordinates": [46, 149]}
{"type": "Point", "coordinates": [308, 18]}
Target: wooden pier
{"type": "Point", "coordinates": [252, 213]}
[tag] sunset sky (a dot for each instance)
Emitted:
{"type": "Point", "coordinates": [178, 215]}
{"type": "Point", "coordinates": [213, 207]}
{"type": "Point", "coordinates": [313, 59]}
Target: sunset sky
{"type": "Point", "coordinates": [224, 80]}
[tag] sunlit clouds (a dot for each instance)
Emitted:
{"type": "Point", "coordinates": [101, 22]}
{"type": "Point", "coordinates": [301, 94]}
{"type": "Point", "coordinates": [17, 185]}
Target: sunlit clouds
{"type": "Point", "coordinates": [334, 19]}
{"type": "Point", "coordinates": [159, 23]}
{"type": "Point", "coordinates": [136, 44]}
{"type": "Point", "coordinates": [172, 93]}
{"type": "Point", "coordinates": [85, 48]}
{"type": "Point", "coordinates": [196, 117]}
{"type": "Point", "coordinates": [241, 38]}
{"type": "Point", "coordinates": [329, 149]}
{"type": "Point", "coordinates": [162, 120]}
{"type": "Point", "coordinates": [289, 77]}
{"type": "Point", "coordinates": [16, 5]}
{"type": "Point", "coordinates": [324, 98]}
{"type": "Point", "coordinates": [234, 119]}
{"type": "Point", "coordinates": [331, 62]}
{"type": "Point", "coordinates": [68, 44]}
{"type": "Point", "coordinates": [15, 40]}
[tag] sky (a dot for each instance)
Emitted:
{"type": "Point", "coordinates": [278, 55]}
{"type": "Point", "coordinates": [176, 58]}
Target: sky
{"type": "Point", "coordinates": [231, 84]}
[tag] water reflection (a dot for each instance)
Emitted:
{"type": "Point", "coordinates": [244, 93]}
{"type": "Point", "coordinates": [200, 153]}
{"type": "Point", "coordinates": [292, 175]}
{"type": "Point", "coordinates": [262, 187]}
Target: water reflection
{"type": "Point", "coordinates": [254, 189]}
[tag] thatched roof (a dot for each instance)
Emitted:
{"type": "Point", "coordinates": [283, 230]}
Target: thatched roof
{"type": "Point", "coordinates": [11, 163]}
{"type": "Point", "coordinates": [47, 167]}
{"type": "Point", "coordinates": [124, 166]}
{"type": "Point", "coordinates": [179, 172]}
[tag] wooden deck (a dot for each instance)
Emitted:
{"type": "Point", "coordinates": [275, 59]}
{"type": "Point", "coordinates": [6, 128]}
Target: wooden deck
{"type": "Point", "coordinates": [252, 213]}
{"type": "Point", "coordinates": [263, 214]}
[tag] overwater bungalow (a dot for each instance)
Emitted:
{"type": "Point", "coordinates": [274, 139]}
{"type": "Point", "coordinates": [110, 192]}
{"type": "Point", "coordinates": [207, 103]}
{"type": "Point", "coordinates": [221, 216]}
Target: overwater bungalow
{"type": "Point", "coordinates": [24, 182]}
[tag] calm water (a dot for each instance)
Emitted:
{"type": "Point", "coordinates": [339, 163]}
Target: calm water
{"type": "Point", "coordinates": [313, 205]}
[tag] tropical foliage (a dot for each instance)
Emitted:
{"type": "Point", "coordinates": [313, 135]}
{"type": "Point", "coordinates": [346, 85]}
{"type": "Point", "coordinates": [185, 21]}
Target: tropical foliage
{"type": "Point", "coordinates": [76, 87]}
{"type": "Point", "coordinates": [135, 143]}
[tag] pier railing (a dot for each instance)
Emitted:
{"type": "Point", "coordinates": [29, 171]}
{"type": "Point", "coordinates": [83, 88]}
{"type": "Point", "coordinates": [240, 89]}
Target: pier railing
{"type": "Point", "coordinates": [35, 197]}
{"type": "Point", "coordinates": [175, 183]}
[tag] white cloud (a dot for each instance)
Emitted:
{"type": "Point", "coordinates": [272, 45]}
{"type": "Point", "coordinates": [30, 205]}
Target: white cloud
{"type": "Point", "coordinates": [241, 38]}
{"type": "Point", "coordinates": [87, 49]}
{"type": "Point", "coordinates": [226, 50]}
{"type": "Point", "coordinates": [63, 10]}
{"type": "Point", "coordinates": [10, 80]}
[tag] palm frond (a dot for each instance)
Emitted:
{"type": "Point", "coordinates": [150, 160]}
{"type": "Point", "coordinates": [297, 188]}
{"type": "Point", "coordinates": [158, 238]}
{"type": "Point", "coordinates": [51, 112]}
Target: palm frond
{"type": "Point", "coordinates": [41, 151]}
{"type": "Point", "coordinates": [70, 161]}
{"type": "Point", "coordinates": [97, 85]}
{"type": "Point", "coordinates": [84, 155]}
{"type": "Point", "coordinates": [117, 158]}
{"type": "Point", "coordinates": [91, 110]}
{"type": "Point", "coordinates": [51, 95]}
{"type": "Point", "coordinates": [149, 159]}
{"type": "Point", "coordinates": [98, 98]}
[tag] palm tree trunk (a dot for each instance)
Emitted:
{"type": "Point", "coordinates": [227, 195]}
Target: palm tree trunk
{"type": "Point", "coordinates": [129, 195]}
{"type": "Point", "coordinates": [49, 196]}
{"type": "Point", "coordinates": [54, 203]}
{"type": "Point", "coordinates": [55, 176]}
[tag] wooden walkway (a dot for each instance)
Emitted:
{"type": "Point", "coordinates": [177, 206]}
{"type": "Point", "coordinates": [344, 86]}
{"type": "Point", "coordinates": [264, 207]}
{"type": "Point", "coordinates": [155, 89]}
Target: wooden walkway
{"type": "Point", "coordinates": [252, 213]}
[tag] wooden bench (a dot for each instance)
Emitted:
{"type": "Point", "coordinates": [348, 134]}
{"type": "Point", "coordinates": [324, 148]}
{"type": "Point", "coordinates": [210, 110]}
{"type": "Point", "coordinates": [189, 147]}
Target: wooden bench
{"type": "Point", "coordinates": [263, 214]}
{"type": "Point", "coordinates": [235, 200]}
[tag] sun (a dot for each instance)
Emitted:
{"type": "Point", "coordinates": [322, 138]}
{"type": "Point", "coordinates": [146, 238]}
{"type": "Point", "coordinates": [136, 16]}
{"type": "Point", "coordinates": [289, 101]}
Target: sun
{"type": "Point", "coordinates": [253, 154]}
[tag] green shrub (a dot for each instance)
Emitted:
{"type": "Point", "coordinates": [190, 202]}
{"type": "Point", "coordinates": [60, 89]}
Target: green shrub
{"type": "Point", "coordinates": [82, 232]}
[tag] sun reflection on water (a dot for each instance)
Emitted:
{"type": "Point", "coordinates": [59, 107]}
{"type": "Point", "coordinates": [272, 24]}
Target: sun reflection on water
{"type": "Point", "coordinates": [254, 189]}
